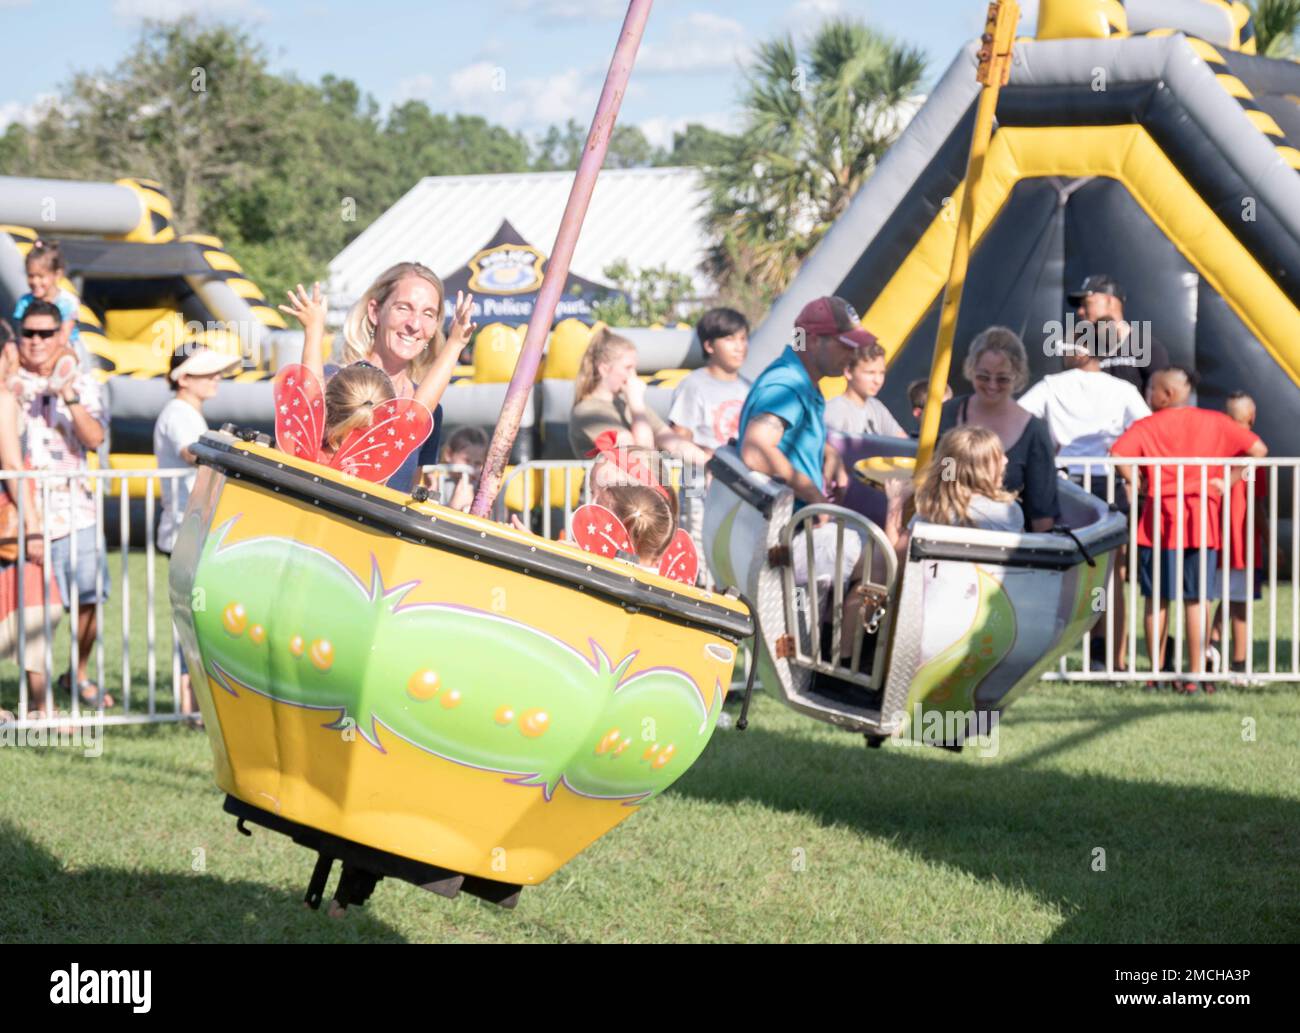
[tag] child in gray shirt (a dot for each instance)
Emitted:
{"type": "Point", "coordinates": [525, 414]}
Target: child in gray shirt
{"type": "Point", "coordinates": [858, 410]}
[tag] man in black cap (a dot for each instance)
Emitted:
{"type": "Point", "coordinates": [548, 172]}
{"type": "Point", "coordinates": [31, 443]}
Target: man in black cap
{"type": "Point", "coordinates": [1128, 352]}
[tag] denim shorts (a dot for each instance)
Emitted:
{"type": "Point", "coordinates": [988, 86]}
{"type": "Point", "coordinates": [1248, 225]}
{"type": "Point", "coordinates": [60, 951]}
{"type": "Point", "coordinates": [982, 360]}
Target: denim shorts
{"type": "Point", "coordinates": [1168, 567]}
{"type": "Point", "coordinates": [90, 564]}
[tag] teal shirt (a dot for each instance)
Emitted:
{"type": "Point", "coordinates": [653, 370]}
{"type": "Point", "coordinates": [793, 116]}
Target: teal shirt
{"type": "Point", "coordinates": [785, 390]}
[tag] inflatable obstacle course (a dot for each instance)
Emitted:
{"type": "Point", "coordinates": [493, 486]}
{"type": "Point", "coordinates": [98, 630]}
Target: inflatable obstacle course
{"type": "Point", "coordinates": [1141, 139]}
{"type": "Point", "coordinates": [144, 290]}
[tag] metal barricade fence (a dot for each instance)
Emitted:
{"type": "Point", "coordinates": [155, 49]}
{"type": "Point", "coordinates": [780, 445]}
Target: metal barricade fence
{"type": "Point", "coordinates": [545, 494]}
{"type": "Point", "coordinates": [1190, 506]}
{"type": "Point", "coordinates": [547, 491]}
{"type": "Point", "coordinates": [100, 486]}
{"type": "Point", "coordinates": [442, 479]}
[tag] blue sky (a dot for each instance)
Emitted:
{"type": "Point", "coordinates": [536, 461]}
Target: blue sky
{"type": "Point", "coordinates": [522, 63]}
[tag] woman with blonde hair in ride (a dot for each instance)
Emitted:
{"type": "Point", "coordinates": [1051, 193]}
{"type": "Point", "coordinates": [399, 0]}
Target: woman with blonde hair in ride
{"type": "Point", "coordinates": [961, 487]}
{"type": "Point", "coordinates": [609, 396]}
{"type": "Point", "coordinates": [395, 329]}
{"type": "Point", "coordinates": [997, 366]}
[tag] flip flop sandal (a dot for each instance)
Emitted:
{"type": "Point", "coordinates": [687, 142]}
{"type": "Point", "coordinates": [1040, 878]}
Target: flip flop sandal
{"type": "Point", "coordinates": [91, 694]}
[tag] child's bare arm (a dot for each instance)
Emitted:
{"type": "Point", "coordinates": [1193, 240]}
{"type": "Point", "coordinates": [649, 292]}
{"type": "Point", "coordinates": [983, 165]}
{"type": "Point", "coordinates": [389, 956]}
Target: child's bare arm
{"type": "Point", "coordinates": [310, 311]}
{"type": "Point", "coordinates": [435, 382]}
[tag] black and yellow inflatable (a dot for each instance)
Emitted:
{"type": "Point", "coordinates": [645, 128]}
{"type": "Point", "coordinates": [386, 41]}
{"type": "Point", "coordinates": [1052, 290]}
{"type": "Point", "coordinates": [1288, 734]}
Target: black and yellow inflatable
{"type": "Point", "coordinates": [1142, 139]}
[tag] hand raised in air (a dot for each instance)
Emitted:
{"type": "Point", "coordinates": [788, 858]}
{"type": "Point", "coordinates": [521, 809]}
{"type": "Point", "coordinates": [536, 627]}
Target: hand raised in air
{"type": "Point", "coordinates": [462, 325]}
{"type": "Point", "coordinates": [309, 310]}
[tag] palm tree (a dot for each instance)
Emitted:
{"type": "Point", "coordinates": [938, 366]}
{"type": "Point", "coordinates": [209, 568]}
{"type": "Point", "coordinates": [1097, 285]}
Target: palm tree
{"type": "Point", "coordinates": [816, 125]}
{"type": "Point", "coordinates": [1276, 25]}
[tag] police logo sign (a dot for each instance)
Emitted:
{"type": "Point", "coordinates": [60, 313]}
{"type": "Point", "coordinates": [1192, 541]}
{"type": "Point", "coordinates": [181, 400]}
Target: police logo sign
{"type": "Point", "coordinates": [506, 269]}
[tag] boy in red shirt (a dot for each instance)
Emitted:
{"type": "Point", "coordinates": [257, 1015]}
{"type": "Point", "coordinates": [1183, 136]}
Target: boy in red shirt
{"type": "Point", "coordinates": [1176, 429]}
{"type": "Point", "coordinates": [1241, 407]}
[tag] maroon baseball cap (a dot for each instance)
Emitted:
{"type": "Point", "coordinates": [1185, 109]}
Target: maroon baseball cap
{"type": "Point", "coordinates": [834, 317]}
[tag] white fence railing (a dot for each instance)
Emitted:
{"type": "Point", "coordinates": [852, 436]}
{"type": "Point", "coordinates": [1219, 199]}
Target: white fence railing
{"type": "Point", "coordinates": [1197, 500]}
{"type": "Point", "coordinates": [137, 658]}
{"type": "Point", "coordinates": [544, 493]}
{"type": "Point", "coordinates": [20, 625]}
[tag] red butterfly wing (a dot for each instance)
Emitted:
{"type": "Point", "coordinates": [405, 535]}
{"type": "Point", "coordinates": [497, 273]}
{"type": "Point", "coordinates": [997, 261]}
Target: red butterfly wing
{"type": "Point", "coordinates": [599, 531]}
{"type": "Point", "coordinates": [299, 412]}
{"type": "Point", "coordinates": [376, 452]}
{"type": "Point", "coordinates": [680, 561]}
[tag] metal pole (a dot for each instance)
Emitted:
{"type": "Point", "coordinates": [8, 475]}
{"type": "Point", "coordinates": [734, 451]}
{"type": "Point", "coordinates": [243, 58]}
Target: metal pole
{"type": "Point", "coordinates": [994, 70]}
{"type": "Point", "coordinates": [557, 270]}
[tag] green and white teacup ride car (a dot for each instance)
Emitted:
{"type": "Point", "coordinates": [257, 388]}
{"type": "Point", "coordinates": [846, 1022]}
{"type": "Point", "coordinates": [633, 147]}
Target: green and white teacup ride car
{"type": "Point", "coordinates": [967, 623]}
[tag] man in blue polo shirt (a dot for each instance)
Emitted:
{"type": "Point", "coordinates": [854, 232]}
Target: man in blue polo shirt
{"type": "Point", "coordinates": [783, 425]}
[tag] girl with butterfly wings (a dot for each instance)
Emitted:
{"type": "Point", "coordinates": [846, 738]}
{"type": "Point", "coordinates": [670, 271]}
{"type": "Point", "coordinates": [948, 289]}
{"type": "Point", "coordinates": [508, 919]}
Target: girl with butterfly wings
{"type": "Point", "coordinates": [355, 423]}
{"type": "Point", "coordinates": [632, 513]}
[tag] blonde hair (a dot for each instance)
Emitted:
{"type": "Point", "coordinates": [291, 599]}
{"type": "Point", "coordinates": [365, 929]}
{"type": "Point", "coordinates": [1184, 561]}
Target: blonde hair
{"type": "Point", "coordinates": [351, 397]}
{"type": "Point", "coordinates": [1003, 341]}
{"type": "Point", "coordinates": [647, 517]}
{"type": "Point", "coordinates": [605, 346]}
{"type": "Point", "coordinates": [967, 462]}
{"type": "Point", "coordinates": [359, 331]}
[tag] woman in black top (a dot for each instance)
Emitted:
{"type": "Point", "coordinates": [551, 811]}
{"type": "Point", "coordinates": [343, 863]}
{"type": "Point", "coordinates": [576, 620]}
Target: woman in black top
{"type": "Point", "coordinates": [999, 368]}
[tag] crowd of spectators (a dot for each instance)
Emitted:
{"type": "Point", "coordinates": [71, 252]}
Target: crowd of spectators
{"type": "Point", "coordinates": [1117, 394]}
{"type": "Point", "coordinates": [54, 411]}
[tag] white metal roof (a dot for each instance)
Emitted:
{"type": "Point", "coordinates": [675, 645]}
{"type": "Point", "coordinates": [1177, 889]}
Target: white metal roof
{"type": "Point", "coordinates": [650, 217]}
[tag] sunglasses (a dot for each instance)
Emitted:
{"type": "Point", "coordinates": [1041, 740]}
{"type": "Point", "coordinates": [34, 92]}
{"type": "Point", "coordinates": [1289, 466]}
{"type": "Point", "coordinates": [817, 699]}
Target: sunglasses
{"type": "Point", "coordinates": [38, 335]}
{"type": "Point", "coordinates": [1002, 380]}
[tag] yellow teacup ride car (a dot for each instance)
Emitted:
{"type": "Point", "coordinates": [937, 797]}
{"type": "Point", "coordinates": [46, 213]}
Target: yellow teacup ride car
{"type": "Point", "coordinates": [970, 620]}
{"type": "Point", "coordinates": [427, 695]}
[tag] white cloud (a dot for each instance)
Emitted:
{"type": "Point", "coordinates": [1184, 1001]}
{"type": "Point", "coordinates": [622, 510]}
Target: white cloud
{"type": "Point", "coordinates": [807, 15]}
{"type": "Point", "coordinates": [414, 87]}
{"type": "Point", "coordinates": [571, 10]}
{"type": "Point", "coordinates": [660, 129]}
{"type": "Point", "coordinates": [25, 114]}
{"type": "Point", "coordinates": [816, 9]}
{"type": "Point", "coordinates": [700, 42]}
{"type": "Point", "coordinates": [1028, 17]}
{"type": "Point", "coordinates": [175, 10]}
{"type": "Point", "coordinates": [488, 89]}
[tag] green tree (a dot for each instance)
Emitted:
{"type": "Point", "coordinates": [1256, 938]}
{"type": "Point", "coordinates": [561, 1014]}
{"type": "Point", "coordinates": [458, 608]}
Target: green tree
{"type": "Point", "coordinates": [285, 172]}
{"type": "Point", "coordinates": [655, 294]}
{"type": "Point", "coordinates": [561, 148]}
{"type": "Point", "coordinates": [428, 144]}
{"type": "Point", "coordinates": [700, 145]}
{"type": "Point", "coordinates": [815, 126]}
{"type": "Point", "coordinates": [1277, 23]}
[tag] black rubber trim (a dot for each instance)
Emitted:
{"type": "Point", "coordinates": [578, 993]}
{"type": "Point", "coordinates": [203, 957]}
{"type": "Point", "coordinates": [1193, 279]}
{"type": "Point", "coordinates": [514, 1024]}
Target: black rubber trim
{"type": "Point", "coordinates": [403, 522]}
{"type": "Point", "coordinates": [736, 482]}
{"type": "Point", "coordinates": [375, 863]}
{"type": "Point", "coordinates": [1019, 556]}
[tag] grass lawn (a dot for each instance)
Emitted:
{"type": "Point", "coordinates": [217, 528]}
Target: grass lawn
{"type": "Point", "coordinates": [788, 831]}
